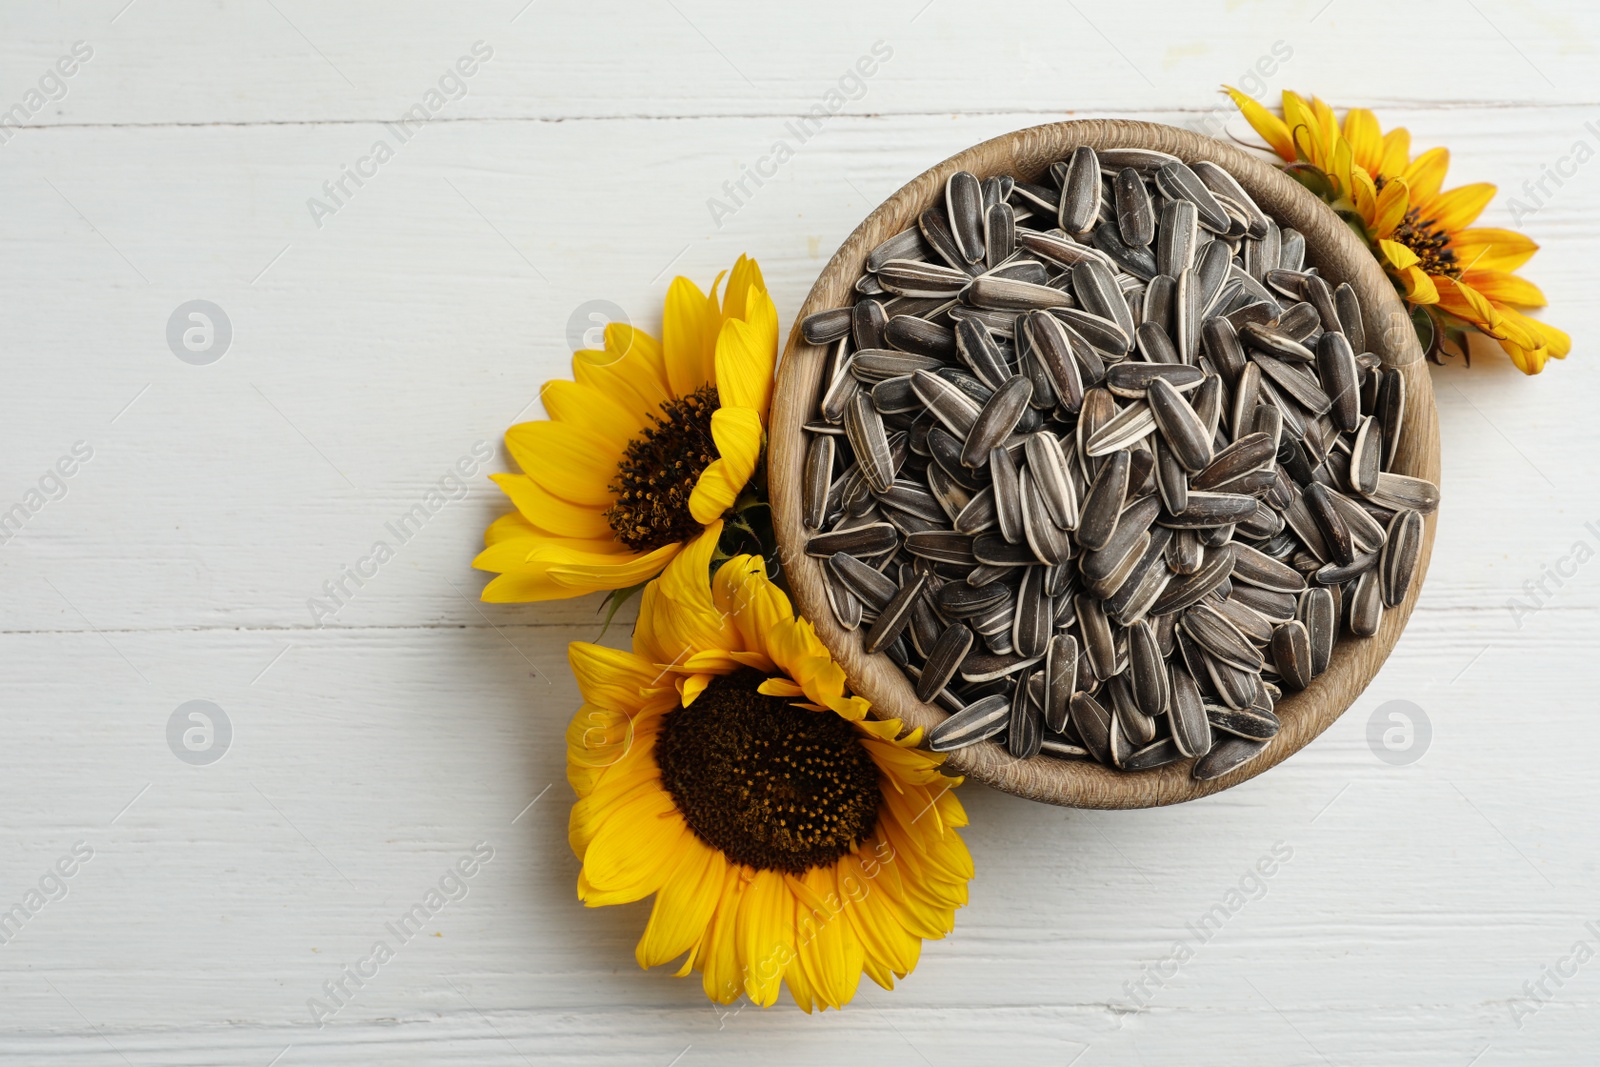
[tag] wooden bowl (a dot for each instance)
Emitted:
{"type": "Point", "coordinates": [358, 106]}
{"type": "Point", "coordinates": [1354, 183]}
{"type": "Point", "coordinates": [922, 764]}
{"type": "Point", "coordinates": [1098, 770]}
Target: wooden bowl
{"type": "Point", "coordinates": [1027, 154]}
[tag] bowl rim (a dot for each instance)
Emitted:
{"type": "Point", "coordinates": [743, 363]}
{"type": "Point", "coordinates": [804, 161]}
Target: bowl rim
{"type": "Point", "coordinates": [1330, 245]}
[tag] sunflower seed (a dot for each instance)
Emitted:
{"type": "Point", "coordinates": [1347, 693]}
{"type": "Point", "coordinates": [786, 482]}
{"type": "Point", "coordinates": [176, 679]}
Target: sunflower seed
{"type": "Point", "coordinates": [907, 244]}
{"type": "Point", "coordinates": [1156, 754]}
{"type": "Point", "coordinates": [908, 333]}
{"type": "Point", "coordinates": [1093, 725]}
{"type": "Point", "coordinates": [1391, 411]}
{"type": "Point", "coordinates": [864, 429]}
{"type": "Point", "coordinates": [1023, 732]}
{"type": "Point", "coordinates": [1080, 192]}
{"type": "Point", "coordinates": [1277, 606]}
{"type": "Point", "coordinates": [1256, 722]}
{"type": "Point", "coordinates": [1180, 427]}
{"type": "Point", "coordinates": [1336, 362]}
{"type": "Point", "coordinates": [1297, 383]}
{"type": "Point", "coordinates": [847, 608]}
{"type": "Point", "coordinates": [978, 721]}
{"type": "Point", "coordinates": [907, 277]}
{"type": "Point", "coordinates": [1274, 343]}
{"type": "Point", "coordinates": [1220, 638]}
{"type": "Point", "coordinates": [1221, 183]}
{"type": "Point", "coordinates": [1049, 542]}
{"type": "Point", "coordinates": [895, 616]}
{"type": "Point", "coordinates": [1136, 218]}
{"type": "Point", "coordinates": [1010, 294]}
{"type": "Point", "coordinates": [1229, 754]}
{"type": "Point", "coordinates": [943, 659]}
{"type": "Point", "coordinates": [1097, 520]}
{"type": "Point", "coordinates": [1007, 492]}
{"type": "Point", "coordinates": [1147, 670]}
{"type": "Point", "coordinates": [1131, 380]}
{"type": "Point", "coordinates": [872, 539]}
{"type": "Point", "coordinates": [1098, 294]}
{"type": "Point", "coordinates": [1400, 554]}
{"type": "Point", "coordinates": [1316, 612]}
{"type": "Point", "coordinates": [941, 546]}
{"type": "Point", "coordinates": [1291, 654]}
{"type": "Point", "coordinates": [1177, 237]}
{"type": "Point", "coordinates": [1191, 589]}
{"type": "Point", "coordinates": [1366, 457]}
{"type": "Point", "coordinates": [1133, 725]}
{"type": "Point", "coordinates": [1177, 182]}
{"type": "Point", "coordinates": [1349, 309]}
{"type": "Point", "coordinates": [825, 327]}
{"type": "Point", "coordinates": [1046, 339]}
{"type": "Point", "coordinates": [1366, 604]}
{"type": "Point", "coordinates": [1292, 252]}
{"type": "Point", "coordinates": [949, 404]}
{"type": "Point", "coordinates": [817, 481]}
{"type": "Point", "coordinates": [1061, 674]}
{"type": "Point", "coordinates": [987, 666]}
{"type": "Point", "coordinates": [1403, 492]}
{"type": "Point", "coordinates": [1133, 423]}
{"type": "Point", "coordinates": [1191, 732]}
{"type": "Point", "coordinates": [1102, 333]}
{"type": "Point", "coordinates": [866, 584]}
{"type": "Point", "coordinates": [996, 420]}
{"type": "Point", "coordinates": [1254, 567]}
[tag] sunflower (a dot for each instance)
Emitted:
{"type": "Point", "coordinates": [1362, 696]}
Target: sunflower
{"type": "Point", "coordinates": [1461, 275]}
{"type": "Point", "coordinates": [721, 766]}
{"type": "Point", "coordinates": [650, 443]}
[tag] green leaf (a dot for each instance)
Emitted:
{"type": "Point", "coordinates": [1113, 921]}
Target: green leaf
{"type": "Point", "coordinates": [614, 601]}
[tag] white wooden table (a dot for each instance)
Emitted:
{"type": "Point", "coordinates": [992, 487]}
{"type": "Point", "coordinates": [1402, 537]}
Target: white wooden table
{"type": "Point", "coordinates": [378, 339]}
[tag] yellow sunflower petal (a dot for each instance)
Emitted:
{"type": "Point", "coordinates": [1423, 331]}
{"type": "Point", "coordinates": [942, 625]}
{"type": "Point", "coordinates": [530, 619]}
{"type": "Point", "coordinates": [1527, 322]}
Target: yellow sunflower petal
{"type": "Point", "coordinates": [1366, 140]}
{"type": "Point", "coordinates": [766, 936]}
{"type": "Point", "coordinates": [632, 851]}
{"type": "Point", "coordinates": [546, 511]}
{"type": "Point", "coordinates": [631, 371]}
{"type": "Point", "coordinates": [1548, 336]}
{"type": "Point", "coordinates": [685, 904]}
{"type": "Point", "coordinates": [1491, 248]}
{"type": "Point", "coordinates": [1424, 176]}
{"type": "Point", "coordinates": [737, 432]}
{"type": "Point", "coordinates": [744, 368]}
{"type": "Point", "coordinates": [1264, 122]}
{"type": "Point", "coordinates": [1302, 123]}
{"type": "Point", "coordinates": [1394, 199]}
{"type": "Point", "coordinates": [609, 677]}
{"type": "Point", "coordinates": [573, 463]}
{"type": "Point", "coordinates": [1396, 152]}
{"type": "Point", "coordinates": [1398, 255]}
{"type": "Point", "coordinates": [1503, 288]}
{"type": "Point", "coordinates": [1461, 206]}
{"type": "Point", "coordinates": [1465, 302]}
{"type": "Point", "coordinates": [689, 333]}
{"type": "Point", "coordinates": [1364, 194]}
{"type": "Point", "coordinates": [1327, 130]}
{"type": "Point", "coordinates": [719, 952]}
{"type": "Point", "coordinates": [583, 405]}
{"type": "Point", "coordinates": [1420, 286]}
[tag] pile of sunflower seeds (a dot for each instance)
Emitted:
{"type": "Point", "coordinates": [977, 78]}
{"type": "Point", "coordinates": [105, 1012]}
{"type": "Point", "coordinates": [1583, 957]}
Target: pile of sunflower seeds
{"type": "Point", "coordinates": [1102, 465]}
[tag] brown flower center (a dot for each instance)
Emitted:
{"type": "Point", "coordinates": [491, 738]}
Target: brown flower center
{"type": "Point", "coordinates": [770, 784]}
{"type": "Point", "coordinates": [1428, 240]}
{"type": "Point", "coordinates": [658, 473]}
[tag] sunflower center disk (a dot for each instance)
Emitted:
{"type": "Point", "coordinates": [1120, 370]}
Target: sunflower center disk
{"type": "Point", "coordinates": [770, 784]}
{"type": "Point", "coordinates": [659, 470]}
{"type": "Point", "coordinates": [1429, 243]}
